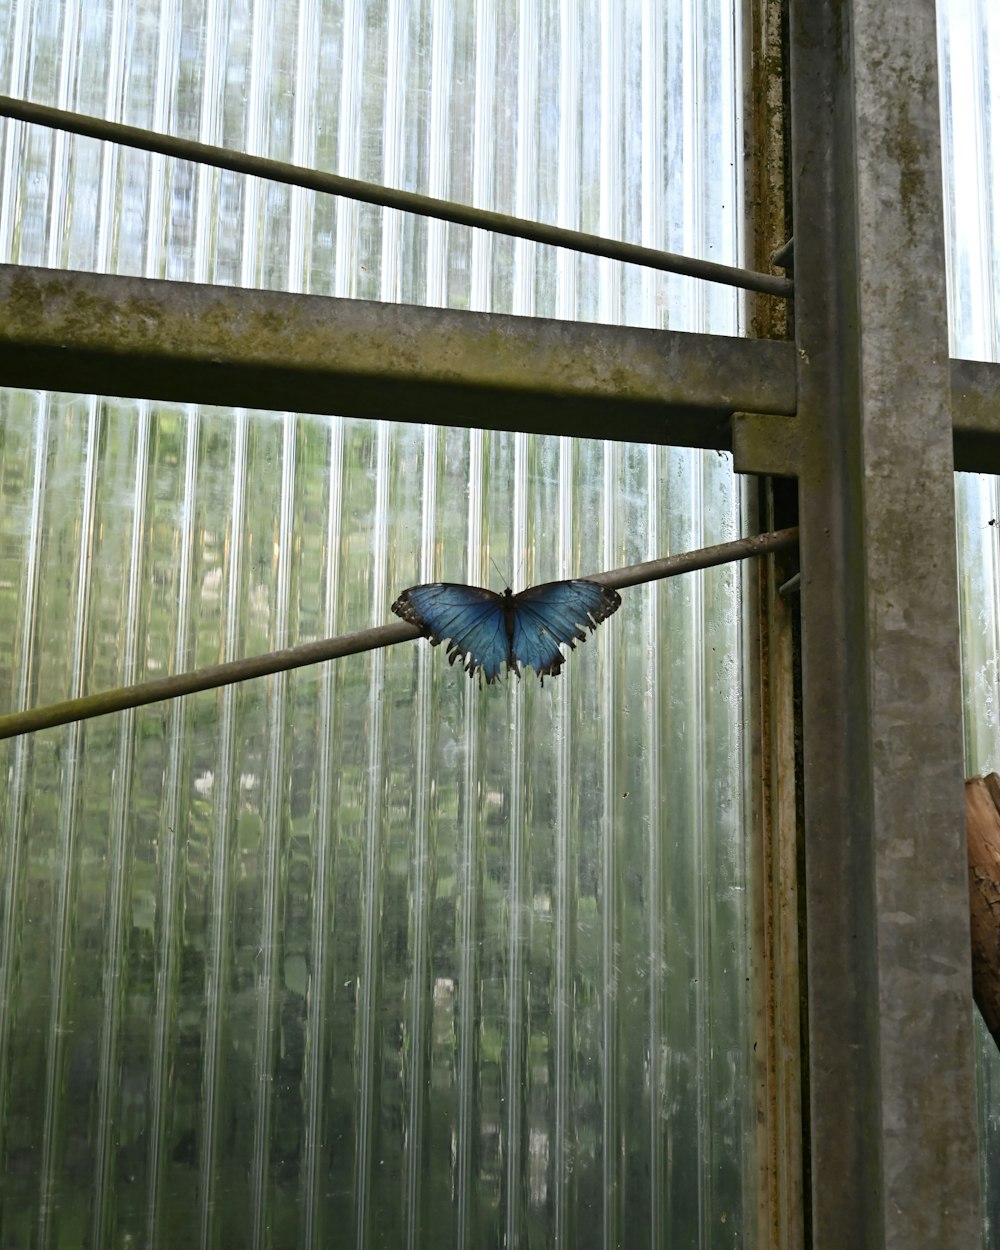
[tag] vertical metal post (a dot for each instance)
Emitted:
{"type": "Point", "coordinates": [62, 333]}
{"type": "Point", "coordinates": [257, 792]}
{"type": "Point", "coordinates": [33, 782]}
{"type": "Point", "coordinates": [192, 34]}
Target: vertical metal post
{"type": "Point", "coordinates": [770, 644]}
{"type": "Point", "coordinates": [892, 1111]}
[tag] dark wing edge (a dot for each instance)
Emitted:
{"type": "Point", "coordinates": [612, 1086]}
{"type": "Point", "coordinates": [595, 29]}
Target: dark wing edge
{"type": "Point", "coordinates": [469, 646]}
{"type": "Point", "coordinates": [410, 613]}
{"type": "Point", "coordinates": [591, 601]}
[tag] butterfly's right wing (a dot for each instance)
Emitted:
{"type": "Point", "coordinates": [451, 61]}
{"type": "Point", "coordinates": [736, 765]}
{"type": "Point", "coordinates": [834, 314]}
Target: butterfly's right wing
{"type": "Point", "coordinates": [473, 618]}
{"type": "Point", "coordinates": [554, 613]}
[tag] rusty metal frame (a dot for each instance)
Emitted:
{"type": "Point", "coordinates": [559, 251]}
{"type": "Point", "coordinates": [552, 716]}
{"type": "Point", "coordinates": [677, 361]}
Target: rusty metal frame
{"type": "Point", "coordinates": [772, 686]}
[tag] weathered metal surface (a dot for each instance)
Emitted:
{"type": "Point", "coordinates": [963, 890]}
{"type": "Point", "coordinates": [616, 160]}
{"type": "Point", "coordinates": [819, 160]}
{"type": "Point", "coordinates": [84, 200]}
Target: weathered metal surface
{"type": "Point", "coordinates": [892, 1090]}
{"type": "Point", "coordinates": [764, 158]}
{"type": "Point", "coordinates": [109, 335]}
{"type": "Point", "coordinates": [975, 414]}
{"type": "Point", "coordinates": [774, 833]}
{"type": "Point", "coordinates": [766, 444]}
{"type": "Point", "coordinates": [101, 334]}
{"type": "Point", "coordinates": [774, 849]}
{"type": "Point", "coordinates": [770, 444]}
{"type": "Point", "coordinates": [769, 648]}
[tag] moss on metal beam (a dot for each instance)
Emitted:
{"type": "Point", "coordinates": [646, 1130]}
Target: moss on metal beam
{"type": "Point", "coordinates": [99, 334]}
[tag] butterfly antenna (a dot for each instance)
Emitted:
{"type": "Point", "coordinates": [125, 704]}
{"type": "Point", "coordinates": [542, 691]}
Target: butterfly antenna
{"type": "Point", "coordinates": [499, 572]}
{"type": "Point", "coordinates": [517, 571]}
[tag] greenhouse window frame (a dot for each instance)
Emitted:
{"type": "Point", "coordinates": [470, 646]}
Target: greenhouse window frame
{"type": "Point", "coordinates": [891, 1138]}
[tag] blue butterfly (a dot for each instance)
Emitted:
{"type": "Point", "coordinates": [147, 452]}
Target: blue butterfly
{"type": "Point", "coordinates": [488, 630]}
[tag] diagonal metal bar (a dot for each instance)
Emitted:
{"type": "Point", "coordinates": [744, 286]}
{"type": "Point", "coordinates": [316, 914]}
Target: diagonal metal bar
{"type": "Point", "coordinates": [104, 702]}
{"type": "Point", "coordinates": [892, 1117]}
{"type": "Point", "coordinates": [100, 334]}
{"type": "Point", "coordinates": [389, 197]}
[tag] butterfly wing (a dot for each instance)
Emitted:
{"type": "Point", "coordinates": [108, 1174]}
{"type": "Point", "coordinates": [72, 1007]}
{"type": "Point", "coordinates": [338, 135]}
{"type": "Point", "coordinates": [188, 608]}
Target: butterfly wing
{"type": "Point", "coordinates": [471, 617]}
{"type": "Point", "coordinates": [554, 613]}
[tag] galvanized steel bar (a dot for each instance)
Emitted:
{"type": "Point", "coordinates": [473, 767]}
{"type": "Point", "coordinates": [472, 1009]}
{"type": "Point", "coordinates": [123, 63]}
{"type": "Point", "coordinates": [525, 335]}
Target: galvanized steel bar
{"type": "Point", "coordinates": [891, 1082]}
{"type": "Point", "coordinates": [391, 197]}
{"type": "Point", "coordinates": [94, 333]}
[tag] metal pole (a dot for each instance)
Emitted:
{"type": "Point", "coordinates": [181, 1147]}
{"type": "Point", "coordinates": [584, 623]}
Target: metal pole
{"type": "Point", "coordinates": [891, 1081]}
{"type": "Point", "coordinates": [104, 702]}
{"type": "Point", "coordinates": [389, 197]}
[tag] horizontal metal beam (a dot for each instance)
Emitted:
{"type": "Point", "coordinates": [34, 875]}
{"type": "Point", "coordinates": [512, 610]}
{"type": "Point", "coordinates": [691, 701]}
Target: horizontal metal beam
{"type": "Point", "coordinates": [975, 415]}
{"type": "Point", "coordinates": [97, 334]}
{"type": "Point", "coordinates": [771, 444]}
{"type": "Point", "coordinates": [100, 334]}
{"type": "Point", "coordinates": [764, 443]}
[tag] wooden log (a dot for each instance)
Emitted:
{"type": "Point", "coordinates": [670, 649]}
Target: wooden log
{"type": "Point", "coordinates": [982, 819]}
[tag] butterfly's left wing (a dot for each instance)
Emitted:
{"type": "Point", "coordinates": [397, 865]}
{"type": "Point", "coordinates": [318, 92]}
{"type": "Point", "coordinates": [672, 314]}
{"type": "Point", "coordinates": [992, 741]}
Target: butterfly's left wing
{"type": "Point", "coordinates": [471, 617]}
{"type": "Point", "coordinates": [554, 613]}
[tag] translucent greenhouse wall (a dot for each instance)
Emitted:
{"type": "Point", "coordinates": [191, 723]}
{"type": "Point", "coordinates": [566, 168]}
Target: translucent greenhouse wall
{"type": "Point", "coordinates": [365, 955]}
{"type": "Point", "coordinates": [969, 43]}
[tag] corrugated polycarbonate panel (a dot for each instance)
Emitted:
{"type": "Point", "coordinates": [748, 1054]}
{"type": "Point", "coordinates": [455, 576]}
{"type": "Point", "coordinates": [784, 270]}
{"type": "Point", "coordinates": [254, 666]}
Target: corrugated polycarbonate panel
{"type": "Point", "coordinates": [365, 955]}
{"type": "Point", "coordinates": [969, 42]}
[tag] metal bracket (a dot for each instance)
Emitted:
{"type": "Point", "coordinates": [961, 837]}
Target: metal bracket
{"type": "Point", "coordinates": [763, 443]}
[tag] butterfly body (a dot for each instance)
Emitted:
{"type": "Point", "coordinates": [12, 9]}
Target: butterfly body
{"type": "Point", "coordinates": [487, 631]}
